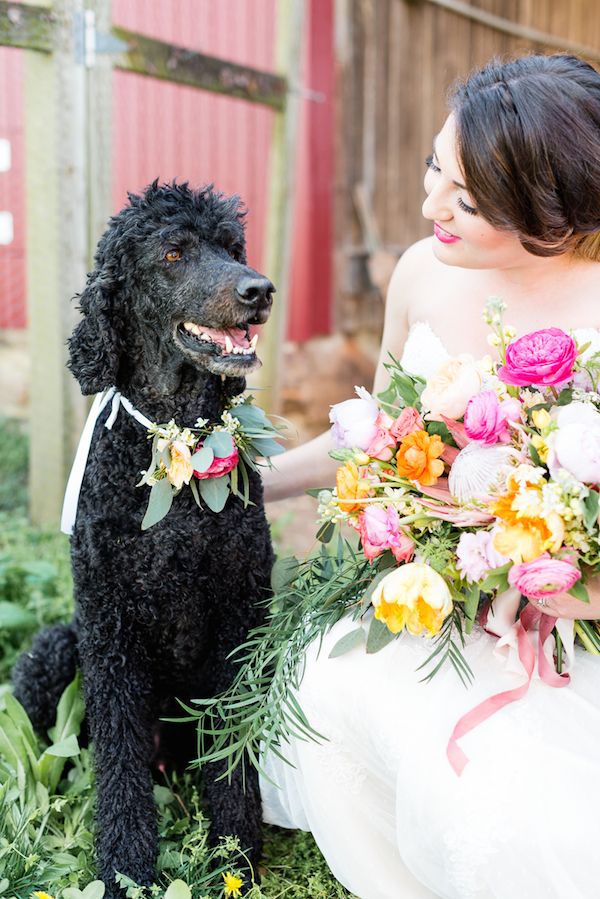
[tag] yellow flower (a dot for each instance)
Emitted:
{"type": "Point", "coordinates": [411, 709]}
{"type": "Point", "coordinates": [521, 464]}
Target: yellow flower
{"type": "Point", "coordinates": [232, 885]}
{"type": "Point", "coordinates": [41, 895]}
{"type": "Point", "coordinates": [541, 446]}
{"type": "Point", "coordinates": [541, 418]}
{"type": "Point", "coordinates": [180, 470]}
{"type": "Point", "coordinates": [414, 596]}
{"type": "Point", "coordinates": [350, 487]}
{"type": "Point", "coordinates": [525, 532]}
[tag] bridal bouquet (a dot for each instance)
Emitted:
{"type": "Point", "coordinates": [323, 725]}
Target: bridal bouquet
{"type": "Point", "coordinates": [466, 495]}
{"type": "Point", "coordinates": [481, 479]}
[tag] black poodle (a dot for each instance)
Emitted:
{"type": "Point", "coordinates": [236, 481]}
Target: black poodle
{"type": "Point", "coordinates": [158, 611]}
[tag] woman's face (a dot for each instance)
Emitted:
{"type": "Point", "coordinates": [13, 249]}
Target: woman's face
{"type": "Point", "coordinates": [461, 236]}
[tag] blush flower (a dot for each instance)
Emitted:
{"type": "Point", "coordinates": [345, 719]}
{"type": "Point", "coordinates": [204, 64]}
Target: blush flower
{"type": "Point", "coordinates": [380, 530]}
{"type": "Point", "coordinates": [575, 444]}
{"type": "Point", "coordinates": [413, 596]}
{"type": "Point", "coordinates": [476, 555]}
{"type": "Point", "coordinates": [353, 421]}
{"type": "Point", "coordinates": [542, 358]}
{"type": "Point", "coordinates": [383, 444]}
{"type": "Point", "coordinates": [486, 418]}
{"type": "Point", "coordinates": [543, 577]}
{"type": "Point", "coordinates": [408, 421]}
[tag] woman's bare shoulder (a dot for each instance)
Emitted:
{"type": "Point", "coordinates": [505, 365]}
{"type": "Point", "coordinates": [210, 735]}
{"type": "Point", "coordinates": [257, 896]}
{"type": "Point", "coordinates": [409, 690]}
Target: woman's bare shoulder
{"type": "Point", "coordinates": [419, 276]}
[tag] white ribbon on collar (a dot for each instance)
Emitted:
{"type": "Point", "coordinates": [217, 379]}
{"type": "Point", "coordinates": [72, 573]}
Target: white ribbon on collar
{"type": "Point", "coordinates": [71, 500]}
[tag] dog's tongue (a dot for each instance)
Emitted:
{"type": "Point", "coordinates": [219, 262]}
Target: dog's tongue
{"type": "Point", "coordinates": [236, 335]}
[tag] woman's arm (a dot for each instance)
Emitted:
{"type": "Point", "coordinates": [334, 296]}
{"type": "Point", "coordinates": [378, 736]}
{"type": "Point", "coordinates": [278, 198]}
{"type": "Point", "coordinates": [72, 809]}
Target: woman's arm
{"type": "Point", "coordinates": [298, 469]}
{"type": "Point", "coordinates": [309, 465]}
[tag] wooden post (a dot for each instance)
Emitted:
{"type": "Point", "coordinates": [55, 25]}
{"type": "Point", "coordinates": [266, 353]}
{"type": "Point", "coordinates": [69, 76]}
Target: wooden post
{"type": "Point", "coordinates": [56, 213]}
{"type": "Point", "coordinates": [280, 208]}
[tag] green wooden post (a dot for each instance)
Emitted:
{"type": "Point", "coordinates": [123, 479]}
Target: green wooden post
{"type": "Point", "coordinates": [282, 166]}
{"type": "Point", "coordinates": [56, 236]}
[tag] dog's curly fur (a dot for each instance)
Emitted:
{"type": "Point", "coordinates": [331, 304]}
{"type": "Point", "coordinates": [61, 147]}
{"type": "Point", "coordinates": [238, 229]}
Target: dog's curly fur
{"type": "Point", "coordinates": [159, 611]}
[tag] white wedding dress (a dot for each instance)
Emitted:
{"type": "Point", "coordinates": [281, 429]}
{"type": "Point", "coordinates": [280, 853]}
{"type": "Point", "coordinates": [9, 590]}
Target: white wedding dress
{"type": "Point", "coordinates": [387, 810]}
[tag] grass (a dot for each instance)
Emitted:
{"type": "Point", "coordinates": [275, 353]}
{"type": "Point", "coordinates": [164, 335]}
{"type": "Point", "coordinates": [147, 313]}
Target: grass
{"type": "Point", "coordinates": [36, 590]}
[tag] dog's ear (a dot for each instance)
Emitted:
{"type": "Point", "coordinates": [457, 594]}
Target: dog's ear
{"type": "Point", "coordinates": [95, 344]}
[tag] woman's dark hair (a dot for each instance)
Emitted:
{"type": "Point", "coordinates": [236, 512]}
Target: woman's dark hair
{"type": "Point", "coordinates": [529, 143]}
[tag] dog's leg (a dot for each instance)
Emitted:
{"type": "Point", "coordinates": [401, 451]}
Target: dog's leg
{"type": "Point", "coordinates": [120, 708]}
{"type": "Point", "coordinates": [235, 806]}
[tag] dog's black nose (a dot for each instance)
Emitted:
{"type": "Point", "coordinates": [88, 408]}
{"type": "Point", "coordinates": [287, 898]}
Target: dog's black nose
{"type": "Point", "coordinates": [255, 291]}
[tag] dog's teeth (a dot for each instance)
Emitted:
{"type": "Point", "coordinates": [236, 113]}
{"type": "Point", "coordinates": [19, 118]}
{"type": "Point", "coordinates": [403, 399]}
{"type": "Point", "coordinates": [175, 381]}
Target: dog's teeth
{"type": "Point", "coordinates": [204, 336]}
{"type": "Point", "coordinates": [253, 342]}
{"type": "Point", "coordinates": [228, 344]}
{"type": "Point", "coordinates": [190, 326]}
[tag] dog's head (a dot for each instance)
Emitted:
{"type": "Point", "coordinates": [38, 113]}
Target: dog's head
{"type": "Point", "coordinates": [170, 283]}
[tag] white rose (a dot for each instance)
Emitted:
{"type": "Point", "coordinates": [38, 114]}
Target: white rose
{"type": "Point", "coordinates": [450, 389]}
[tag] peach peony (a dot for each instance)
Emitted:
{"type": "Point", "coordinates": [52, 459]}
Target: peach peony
{"type": "Point", "coordinates": [450, 389]}
{"type": "Point", "coordinates": [180, 470]}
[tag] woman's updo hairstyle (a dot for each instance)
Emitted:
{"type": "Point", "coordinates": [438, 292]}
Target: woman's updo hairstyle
{"type": "Point", "coordinates": [529, 144]}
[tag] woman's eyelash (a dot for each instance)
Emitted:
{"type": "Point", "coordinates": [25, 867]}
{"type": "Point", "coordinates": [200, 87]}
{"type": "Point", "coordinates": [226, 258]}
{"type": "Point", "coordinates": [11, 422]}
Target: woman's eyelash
{"type": "Point", "coordinates": [431, 164]}
{"type": "Point", "coordinates": [434, 168]}
{"type": "Point", "coordinates": [470, 209]}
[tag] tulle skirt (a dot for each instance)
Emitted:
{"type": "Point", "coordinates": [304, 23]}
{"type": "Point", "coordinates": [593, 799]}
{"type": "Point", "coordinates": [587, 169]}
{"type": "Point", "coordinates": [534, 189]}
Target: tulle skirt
{"type": "Point", "coordinates": [389, 813]}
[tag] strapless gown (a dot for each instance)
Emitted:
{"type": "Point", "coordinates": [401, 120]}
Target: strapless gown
{"type": "Point", "coordinates": [388, 812]}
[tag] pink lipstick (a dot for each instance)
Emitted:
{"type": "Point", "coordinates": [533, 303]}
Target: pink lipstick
{"type": "Point", "coordinates": [442, 235]}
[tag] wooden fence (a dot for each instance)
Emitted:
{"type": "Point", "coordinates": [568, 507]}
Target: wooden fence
{"type": "Point", "coordinates": [70, 50]}
{"type": "Point", "coordinates": [396, 61]}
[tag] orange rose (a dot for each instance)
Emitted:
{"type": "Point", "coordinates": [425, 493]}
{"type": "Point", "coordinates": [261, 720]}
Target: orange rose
{"type": "Point", "coordinates": [418, 457]}
{"type": "Point", "coordinates": [350, 487]}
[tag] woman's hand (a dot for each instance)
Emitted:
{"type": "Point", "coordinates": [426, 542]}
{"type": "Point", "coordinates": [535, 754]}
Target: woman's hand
{"type": "Point", "coordinates": [563, 605]}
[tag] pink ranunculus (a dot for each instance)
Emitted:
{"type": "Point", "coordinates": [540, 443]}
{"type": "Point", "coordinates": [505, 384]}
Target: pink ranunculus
{"type": "Point", "coordinates": [380, 530]}
{"type": "Point", "coordinates": [408, 421]}
{"type": "Point", "coordinates": [486, 418]}
{"type": "Point", "coordinates": [543, 577]}
{"type": "Point", "coordinates": [353, 421]}
{"type": "Point", "coordinates": [382, 445]}
{"type": "Point", "coordinates": [543, 358]}
{"type": "Point", "coordinates": [476, 555]}
{"type": "Point", "coordinates": [219, 467]}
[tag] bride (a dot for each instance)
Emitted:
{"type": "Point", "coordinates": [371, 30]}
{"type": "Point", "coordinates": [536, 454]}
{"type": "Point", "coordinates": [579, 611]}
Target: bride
{"type": "Point", "coordinates": [513, 191]}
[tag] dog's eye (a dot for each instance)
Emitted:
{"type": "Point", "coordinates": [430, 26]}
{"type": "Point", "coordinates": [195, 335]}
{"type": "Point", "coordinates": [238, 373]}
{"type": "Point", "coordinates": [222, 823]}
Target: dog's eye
{"type": "Point", "coordinates": [173, 255]}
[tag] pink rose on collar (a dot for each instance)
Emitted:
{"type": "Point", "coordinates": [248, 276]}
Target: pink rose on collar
{"type": "Point", "coordinates": [218, 466]}
{"type": "Point", "coordinates": [543, 358]}
{"type": "Point", "coordinates": [380, 530]}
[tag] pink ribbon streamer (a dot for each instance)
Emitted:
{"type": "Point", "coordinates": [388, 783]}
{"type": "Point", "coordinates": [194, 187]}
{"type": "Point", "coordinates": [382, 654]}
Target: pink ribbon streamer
{"type": "Point", "coordinates": [529, 617]}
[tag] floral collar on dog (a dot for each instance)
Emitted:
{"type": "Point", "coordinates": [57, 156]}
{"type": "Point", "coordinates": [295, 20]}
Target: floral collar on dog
{"type": "Point", "coordinates": [213, 459]}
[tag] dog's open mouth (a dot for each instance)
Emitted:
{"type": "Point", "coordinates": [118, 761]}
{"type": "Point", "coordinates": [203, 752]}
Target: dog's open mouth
{"type": "Point", "coordinates": [226, 344]}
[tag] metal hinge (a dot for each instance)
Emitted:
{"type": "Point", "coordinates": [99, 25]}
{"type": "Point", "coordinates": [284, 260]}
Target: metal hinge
{"type": "Point", "coordinates": [90, 43]}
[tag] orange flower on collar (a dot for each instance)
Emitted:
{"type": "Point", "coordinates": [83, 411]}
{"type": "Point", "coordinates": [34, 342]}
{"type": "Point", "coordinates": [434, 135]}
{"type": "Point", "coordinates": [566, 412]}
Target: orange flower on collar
{"type": "Point", "coordinates": [418, 457]}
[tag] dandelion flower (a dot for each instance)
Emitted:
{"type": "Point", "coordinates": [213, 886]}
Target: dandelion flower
{"type": "Point", "coordinates": [232, 885]}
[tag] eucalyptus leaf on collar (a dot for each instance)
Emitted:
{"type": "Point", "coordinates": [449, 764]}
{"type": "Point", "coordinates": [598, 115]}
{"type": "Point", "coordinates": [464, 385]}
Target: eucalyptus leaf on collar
{"type": "Point", "coordinates": [212, 459]}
